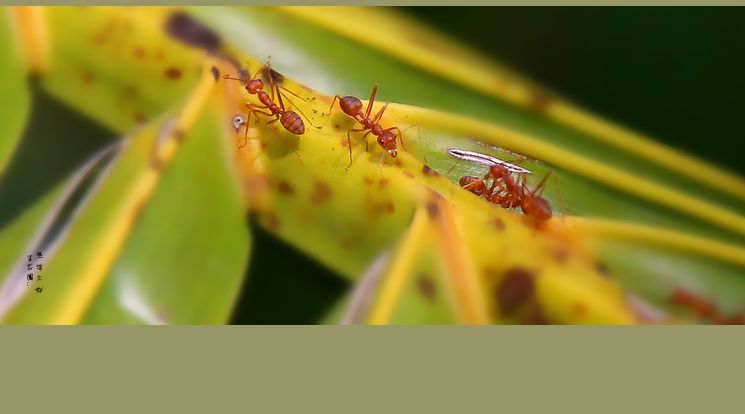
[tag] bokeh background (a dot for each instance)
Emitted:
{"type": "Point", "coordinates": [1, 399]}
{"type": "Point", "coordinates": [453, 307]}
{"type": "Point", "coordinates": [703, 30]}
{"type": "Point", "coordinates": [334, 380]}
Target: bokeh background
{"type": "Point", "coordinates": [673, 73]}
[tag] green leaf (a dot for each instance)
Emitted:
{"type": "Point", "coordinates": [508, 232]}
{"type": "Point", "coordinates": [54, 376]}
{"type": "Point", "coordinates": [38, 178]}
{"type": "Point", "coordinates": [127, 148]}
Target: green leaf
{"type": "Point", "coordinates": [16, 102]}
{"type": "Point", "coordinates": [185, 260]}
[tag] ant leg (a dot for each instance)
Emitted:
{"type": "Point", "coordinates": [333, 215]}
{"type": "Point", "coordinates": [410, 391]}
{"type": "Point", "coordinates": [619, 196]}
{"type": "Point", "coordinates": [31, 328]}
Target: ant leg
{"type": "Point", "coordinates": [371, 101]}
{"type": "Point", "coordinates": [279, 138]}
{"type": "Point", "coordinates": [539, 188]}
{"type": "Point", "coordinates": [558, 191]}
{"type": "Point", "coordinates": [471, 185]}
{"type": "Point", "coordinates": [332, 105]}
{"type": "Point", "coordinates": [294, 94]}
{"type": "Point", "coordinates": [349, 145]}
{"type": "Point", "coordinates": [364, 137]}
{"type": "Point", "coordinates": [299, 110]}
{"type": "Point", "coordinates": [380, 113]}
{"type": "Point", "coordinates": [274, 130]}
{"type": "Point", "coordinates": [256, 108]}
{"type": "Point", "coordinates": [245, 135]}
{"type": "Point", "coordinates": [259, 110]}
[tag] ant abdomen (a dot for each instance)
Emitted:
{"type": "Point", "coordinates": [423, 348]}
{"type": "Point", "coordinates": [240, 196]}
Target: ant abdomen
{"type": "Point", "coordinates": [351, 105]}
{"type": "Point", "coordinates": [292, 122]}
{"type": "Point", "coordinates": [537, 207]}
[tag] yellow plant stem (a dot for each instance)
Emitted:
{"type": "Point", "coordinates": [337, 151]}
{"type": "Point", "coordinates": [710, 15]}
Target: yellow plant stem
{"type": "Point", "coordinates": [31, 28]}
{"type": "Point", "coordinates": [414, 44]}
{"type": "Point", "coordinates": [637, 233]}
{"type": "Point", "coordinates": [400, 270]}
{"type": "Point", "coordinates": [465, 282]}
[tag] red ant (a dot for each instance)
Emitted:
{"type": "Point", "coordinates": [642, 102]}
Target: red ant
{"type": "Point", "coordinates": [290, 120]}
{"type": "Point", "coordinates": [704, 308]}
{"type": "Point", "coordinates": [509, 192]}
{"type": "Point", "coordinates": [352, 106]}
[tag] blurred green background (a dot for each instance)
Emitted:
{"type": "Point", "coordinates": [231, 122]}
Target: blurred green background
{"type": "Point", "coordinates": [672, 73]}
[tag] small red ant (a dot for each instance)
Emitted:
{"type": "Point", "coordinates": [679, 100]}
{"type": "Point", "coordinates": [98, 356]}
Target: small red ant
{"type": "Point", "coordinates": [352, 106]}
{"type": "Point", "coordinates": [509, 192]}
{"type": "Point", "coordinates": [290, 120]}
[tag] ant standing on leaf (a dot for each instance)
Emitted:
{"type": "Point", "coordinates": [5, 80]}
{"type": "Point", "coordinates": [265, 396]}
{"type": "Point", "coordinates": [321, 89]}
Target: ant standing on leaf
{"type": "Point", "coordinates": [290, 120]}
{"type": "Point", "coordinates": [352, 106]}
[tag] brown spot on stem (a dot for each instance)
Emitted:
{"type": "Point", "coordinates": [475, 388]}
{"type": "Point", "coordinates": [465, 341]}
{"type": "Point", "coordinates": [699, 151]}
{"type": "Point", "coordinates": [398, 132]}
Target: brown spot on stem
{"type": "Point", "coordinates": [156, 163]}
{"type": "Point", "coordinates": [602, 268]}
{"type": "Point", "coordinates": [429, 171]}
{"type": "Point", "coordinates": [172, 73]}
{"type": "Point", "coordinates": [579, 308]}
{"type": "Point", "coordinates": [101, 37]}
{"type": "Point", "coordinates": [137, 212]}
{"type": "Point", "coordinates": [535, 315]}
{"type": "Point", "coordinates": [188, 30]}
{"type": "Point", "coordinates": [130, 91]}
{"type": "Point", "coordinates": [276, 77]}
{"type": "Point", "coordinates": [139, 117]}
{"type": "Point", "coordinates": [561, 255]}
{"type": "Point", "coordinates": [347, 245]}
{"type": "Point", "coordinates": [285, 188]}
{"type": "Point", "coordinates": [498, 223]}
{"type": "Point", "coordinates": [321, 192]}
{"type": "Point", "coordinates": [272, 221]}
{"type": "Point", "coordinates": [139, 53]}
{"type": "Point", "coordinates": [433, 209]}
{"type": "Point", "coordinates": [179, 135]}
{"type": "Point", "coordinates": [540, 101]}
{"type": "Point", "coordinates": [215, 73]}
{"type": "Point", "coordinates": [515, 289]}
{"type": "Point", "coordinates": [426, 287]}
{"type": "Point", "coordinates": [87, 77]}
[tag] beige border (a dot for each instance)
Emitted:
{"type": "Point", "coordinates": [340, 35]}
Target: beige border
{"type": "Point", "coordinates": [354, 369]}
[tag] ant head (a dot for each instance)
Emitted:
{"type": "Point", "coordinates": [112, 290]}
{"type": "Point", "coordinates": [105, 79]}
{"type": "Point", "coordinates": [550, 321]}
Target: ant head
{"type": "Point", "coordinates": [254, 85]}
{"type": "Point", "coordinates": [388, 141]}
{"type": "Point", "coordinates": [498, 171]}
{"type": "Point", "coordinates": [350, 105]}
{"type": "Point", "coordinates": [537, 207]}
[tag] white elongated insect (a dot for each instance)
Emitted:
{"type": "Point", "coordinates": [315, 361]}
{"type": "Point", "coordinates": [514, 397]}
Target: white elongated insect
{"type": "Point", "coordinates": [485, 159]}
